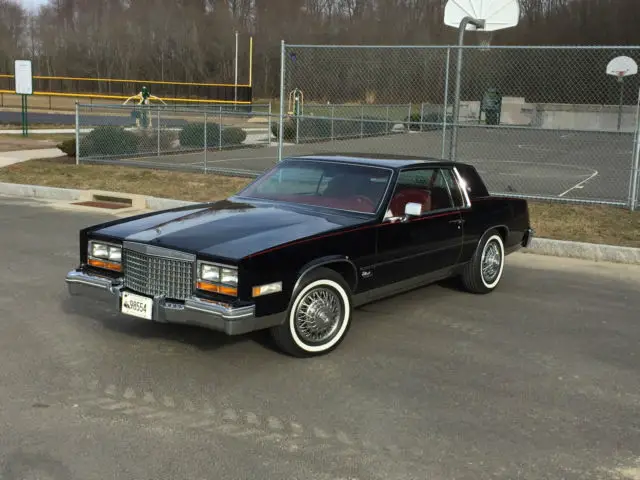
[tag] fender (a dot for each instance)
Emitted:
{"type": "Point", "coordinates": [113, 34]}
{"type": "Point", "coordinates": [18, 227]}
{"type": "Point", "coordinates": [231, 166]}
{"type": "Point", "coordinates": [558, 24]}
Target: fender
{"type": "Point", "coordinates": [495, 227]}
{"type": "Point", "coordinates": [322, 261]}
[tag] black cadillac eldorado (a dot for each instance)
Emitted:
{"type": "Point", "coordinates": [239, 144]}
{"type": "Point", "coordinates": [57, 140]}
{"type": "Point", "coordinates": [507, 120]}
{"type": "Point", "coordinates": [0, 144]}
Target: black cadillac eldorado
{"type": "Point", "coordinates": [301, 246]}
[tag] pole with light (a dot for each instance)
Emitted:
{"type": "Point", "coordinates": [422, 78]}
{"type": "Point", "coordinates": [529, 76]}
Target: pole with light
{"type": "Point", "coordinates": [487, 15]}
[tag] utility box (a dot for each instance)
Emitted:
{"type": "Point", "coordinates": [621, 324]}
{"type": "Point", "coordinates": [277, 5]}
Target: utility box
{"type": "Point", "coordinates": [491, 105]}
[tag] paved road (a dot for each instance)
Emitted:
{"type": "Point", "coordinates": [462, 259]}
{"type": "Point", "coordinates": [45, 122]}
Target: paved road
{"type": "Point", "coordinates": [538, 380]}
{"type": "Point", "coordinates": [557, 164]}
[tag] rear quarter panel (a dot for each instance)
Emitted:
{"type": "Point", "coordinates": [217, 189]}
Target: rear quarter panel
{"type": "Point", "coordinates": [509, 214]}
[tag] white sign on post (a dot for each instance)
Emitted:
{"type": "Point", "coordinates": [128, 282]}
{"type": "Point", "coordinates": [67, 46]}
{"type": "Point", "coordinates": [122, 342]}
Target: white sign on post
{"type": "Point", "coordinates": [23, 77]}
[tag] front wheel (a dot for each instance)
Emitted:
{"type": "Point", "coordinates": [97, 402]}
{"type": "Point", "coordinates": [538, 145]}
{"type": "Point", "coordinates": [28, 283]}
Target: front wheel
{"type": "Point", "coordinates": [483, 273]}
{"type": "Point", "coordinates": [318, 317]}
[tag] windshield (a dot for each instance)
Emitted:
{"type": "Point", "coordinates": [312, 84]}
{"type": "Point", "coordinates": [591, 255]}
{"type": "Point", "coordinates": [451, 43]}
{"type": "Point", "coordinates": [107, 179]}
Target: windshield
{"type": "Point", "coordinates": [357, 188]}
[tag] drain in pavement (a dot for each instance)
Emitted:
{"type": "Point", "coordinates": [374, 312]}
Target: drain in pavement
{"type": "Point", "coordinates": [102, 204]}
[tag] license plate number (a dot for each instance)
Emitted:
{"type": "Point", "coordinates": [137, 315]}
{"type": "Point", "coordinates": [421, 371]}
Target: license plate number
{"type": "Point", "coordinates": [137, 306]}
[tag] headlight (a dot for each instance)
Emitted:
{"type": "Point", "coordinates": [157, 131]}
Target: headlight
{"type": "Point", "coordinates": [229, 276]}
{"type": "Point", "coordinates": [209, 273]}
{"type": "Point", "coordinates": [217, 278]}
{"type": "Point", "coordinates": [105, 255]}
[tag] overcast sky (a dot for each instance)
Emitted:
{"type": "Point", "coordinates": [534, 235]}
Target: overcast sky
{"type": "Point", "coordinates": [32, 4]}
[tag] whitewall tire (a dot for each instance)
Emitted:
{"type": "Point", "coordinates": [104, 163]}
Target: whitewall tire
{"type": "Point", "coordinates": [484, 271]}
{"type": "Point", "coordinates": [319, 315]}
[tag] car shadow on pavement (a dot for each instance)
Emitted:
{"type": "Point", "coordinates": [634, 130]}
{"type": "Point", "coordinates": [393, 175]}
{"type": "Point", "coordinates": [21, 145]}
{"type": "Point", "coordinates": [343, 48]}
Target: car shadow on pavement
{"type": "Point", "coordinates": [83, 312]}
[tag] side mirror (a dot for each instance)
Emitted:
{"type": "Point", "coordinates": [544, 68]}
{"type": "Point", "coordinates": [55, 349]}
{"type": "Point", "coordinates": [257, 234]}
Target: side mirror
{"type": "Point", "coordinates": [412, 209]}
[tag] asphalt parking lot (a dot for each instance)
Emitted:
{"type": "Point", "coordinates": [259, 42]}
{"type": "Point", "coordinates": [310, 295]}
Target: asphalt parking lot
{"type": "Point", "coordinates": [538, 380]}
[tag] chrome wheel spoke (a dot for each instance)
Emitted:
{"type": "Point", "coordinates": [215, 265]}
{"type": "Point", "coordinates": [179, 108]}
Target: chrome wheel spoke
{"type": "Point", "coordinates": [491, 261]}
{"type": "Point", "coordinates": [318, 315]}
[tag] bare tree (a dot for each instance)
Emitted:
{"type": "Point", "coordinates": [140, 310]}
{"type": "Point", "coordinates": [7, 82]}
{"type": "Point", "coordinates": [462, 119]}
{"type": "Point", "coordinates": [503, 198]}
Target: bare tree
{"type": "Point", "coordinates": [193, 41]}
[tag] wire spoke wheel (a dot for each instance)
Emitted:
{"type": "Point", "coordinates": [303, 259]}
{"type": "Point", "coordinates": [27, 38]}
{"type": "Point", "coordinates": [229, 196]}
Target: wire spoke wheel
{"type": "Point", "coordinates": [319, 315]}
{"type": "Point", "coordinates": [491, 260]}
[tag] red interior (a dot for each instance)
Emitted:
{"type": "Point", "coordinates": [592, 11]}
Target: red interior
{"type": "Point", "coordinates": [357, 203]}
{"type": "Point", "coordinates": [414, 195]}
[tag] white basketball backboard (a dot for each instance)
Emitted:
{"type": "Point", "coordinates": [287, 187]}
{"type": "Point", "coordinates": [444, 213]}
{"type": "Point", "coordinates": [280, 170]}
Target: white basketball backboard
{"type": "Point", "coordinates": [622, 67]}
{"type": "Point", "coordinates": [497, 14]}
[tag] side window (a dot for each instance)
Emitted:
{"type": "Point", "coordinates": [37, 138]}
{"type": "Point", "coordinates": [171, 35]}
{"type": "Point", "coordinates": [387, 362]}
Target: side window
{"type": "Point", "coordinates": [426, 186]}
{"type": "Point", "coordinates": [415, 178]}
{"type": "Point", "coordinates": [453, 187]}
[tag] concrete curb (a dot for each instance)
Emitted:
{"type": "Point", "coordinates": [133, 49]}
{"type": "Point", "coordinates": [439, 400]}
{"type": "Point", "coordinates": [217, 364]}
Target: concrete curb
{"type": "Point", "coordinates": [75, 195]}
{"type": "Point", "coordinates": [539, 246]}
{"type": "Point", "coordinates": [586, 251]}
{"type": "Point", "coordinates": [37, 191]}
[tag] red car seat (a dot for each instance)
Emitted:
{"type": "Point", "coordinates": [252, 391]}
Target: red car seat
{"type": "Point", "coordinates": [414, 195]}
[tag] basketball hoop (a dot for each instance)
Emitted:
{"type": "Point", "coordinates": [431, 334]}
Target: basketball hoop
{"type": "Point", "coordinates": [621, 67]}
{"type": "Point", "coordinates": [484, 40]}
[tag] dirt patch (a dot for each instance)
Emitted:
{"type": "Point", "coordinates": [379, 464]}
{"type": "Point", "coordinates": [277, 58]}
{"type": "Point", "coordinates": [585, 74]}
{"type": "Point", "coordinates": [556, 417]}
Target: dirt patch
{"type": "Point", "coordinates": [583, 223]}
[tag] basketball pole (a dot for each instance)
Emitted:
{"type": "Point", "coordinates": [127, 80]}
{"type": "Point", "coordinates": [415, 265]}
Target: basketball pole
{"type": "Point", "coordinates": [635, 163]}
{"type": "Point", "coordinates": [456, 101]}
{"type": "Point", "coordinates": [621, 80]}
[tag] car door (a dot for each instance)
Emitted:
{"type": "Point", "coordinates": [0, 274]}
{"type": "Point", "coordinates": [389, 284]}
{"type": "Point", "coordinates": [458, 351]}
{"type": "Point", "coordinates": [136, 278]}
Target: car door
{"type": "Point", "coordinates": [428, 243]}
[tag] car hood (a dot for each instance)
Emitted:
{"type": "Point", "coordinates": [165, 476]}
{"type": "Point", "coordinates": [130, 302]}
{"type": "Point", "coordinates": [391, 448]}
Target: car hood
{"type": "Point", "coordinates": [228, 229]}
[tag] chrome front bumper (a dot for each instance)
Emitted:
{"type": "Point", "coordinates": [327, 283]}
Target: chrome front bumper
{"type": "Point", "coordinates": [193, 311]}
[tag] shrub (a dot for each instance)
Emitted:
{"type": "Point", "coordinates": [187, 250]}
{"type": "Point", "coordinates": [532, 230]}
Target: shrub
{"type": "Point", "coordinates": [233, 136]}
{"type": "Point", "coordinates": [374, 126]}
{"type": "Point", "coordinates": [148, 140]}
{"type": "Point", "coordinates": [68, 147]}
{"type": "Point", "coordinates": [432, 120]}
{"type": "Point", "coordinates": [109, 140]}
{"type": "Point", "coordinates": [413, 121]}
{"type": "Point", "coordinates": [311, 129]}
{"type": "Point", "coordinates": [192, 135]}
{"type": "Point", "coordinates": [289, 129]}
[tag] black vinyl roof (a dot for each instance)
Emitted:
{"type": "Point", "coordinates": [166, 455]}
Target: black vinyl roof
{"type": "Point", "coordinates": [377, 159]}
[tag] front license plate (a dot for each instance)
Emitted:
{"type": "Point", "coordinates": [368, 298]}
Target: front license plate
{"type": "Point", "coordinates": [137, 306]}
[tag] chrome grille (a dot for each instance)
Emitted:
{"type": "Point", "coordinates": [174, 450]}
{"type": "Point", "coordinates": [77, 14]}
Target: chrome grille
{"type": "Point", "coordinates": [157, 276]}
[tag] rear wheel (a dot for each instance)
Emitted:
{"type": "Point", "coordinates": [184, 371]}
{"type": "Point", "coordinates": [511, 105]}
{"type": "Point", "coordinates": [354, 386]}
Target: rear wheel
{"type": "Point", "coordinates": [483, 273]}
{"type": "Point", "coordinates": [318, 317]}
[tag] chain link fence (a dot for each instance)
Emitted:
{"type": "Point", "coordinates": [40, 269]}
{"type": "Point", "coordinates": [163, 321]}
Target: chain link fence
{"type": "Point", "coordinates": [538, 122]}
{"type": "Point", "coordinates": [198, 138]}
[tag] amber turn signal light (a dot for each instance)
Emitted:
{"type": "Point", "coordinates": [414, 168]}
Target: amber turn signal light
{"type": "Point", "coordinates": [210, 287]}
{"type": "Point", "coordinates": [116, 267]}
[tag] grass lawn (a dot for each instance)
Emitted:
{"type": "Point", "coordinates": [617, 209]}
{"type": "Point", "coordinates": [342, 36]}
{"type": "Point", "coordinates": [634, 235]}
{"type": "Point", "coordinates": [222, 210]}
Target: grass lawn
{"type": "Point", "coordinates": [63, 172]}
{"type": "Point", "coordinates": [583, 223]}
{"type": "Point", "coordinates": [586, 223]}
{"type": "Point", "coordinates": [34, 126]}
